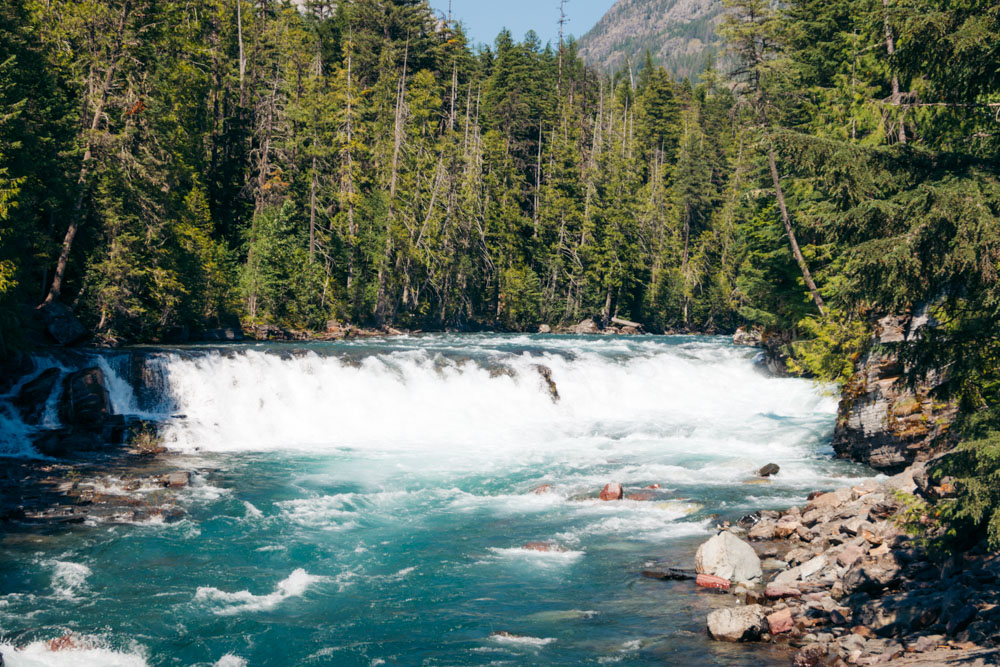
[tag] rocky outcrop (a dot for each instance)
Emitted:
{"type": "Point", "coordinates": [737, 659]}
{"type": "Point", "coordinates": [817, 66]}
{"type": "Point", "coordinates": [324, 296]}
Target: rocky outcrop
{"type": "Point", "coordinates": [881, 420]}
{"type": "Point", "coordinates": [84, 408]}
{"type": "Point", "coordinates": [728, 557]}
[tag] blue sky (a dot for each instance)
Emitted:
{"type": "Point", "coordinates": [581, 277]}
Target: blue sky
{"type": "Point", "coordinates": [483, 19]}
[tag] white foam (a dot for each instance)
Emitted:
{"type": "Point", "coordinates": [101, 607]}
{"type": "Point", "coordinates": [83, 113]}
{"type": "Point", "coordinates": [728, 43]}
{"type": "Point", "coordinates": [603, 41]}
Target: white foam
{"type": "Point", "coordinates": [84, 652]}
{"type": "Point", "coordinates": [230, 660]}
{"type": "Point", "coordinates": [415, 400]}
{"type": "Point", "coordinates": [251, 511]}
{"type": "Point", "coordinates": [553, 556]}
{"type": "Point", "coordinates": [228, 604]}
{"type": "Point", "coordinates": [69, 579]}
{"type": "Point", "coordinates": [522, 640]}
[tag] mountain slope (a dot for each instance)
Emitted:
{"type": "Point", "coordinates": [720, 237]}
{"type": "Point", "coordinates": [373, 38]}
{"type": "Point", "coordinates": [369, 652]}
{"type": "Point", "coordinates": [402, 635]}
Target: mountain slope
{"type": "Point", "coordinates": [679, 33]}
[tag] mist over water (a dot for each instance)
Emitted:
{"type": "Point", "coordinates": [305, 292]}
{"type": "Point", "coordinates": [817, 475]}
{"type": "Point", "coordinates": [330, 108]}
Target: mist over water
{"type": "Point", "coordinates": [370, 500]}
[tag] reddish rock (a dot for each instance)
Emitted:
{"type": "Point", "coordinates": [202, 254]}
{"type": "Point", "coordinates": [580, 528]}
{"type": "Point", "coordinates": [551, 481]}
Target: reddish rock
{"type": "Point", "coordinates": [642, 495]}
{"type": "Point", "coordinates": [712, 581]}
{"type": "Point", "coordinates": [653, 486]}
{"type": "Point", "coordinates": [780, 621]}
{"type": "Point", "coordinates": [543, 489]}
{"type": "Point", "coordinates": [63, 643]}
{"type": "Point", "coordinates": [612, 491]}
{"type": "Point", "coordinates": [778, 591]}
{"type": "Point", "coordinates": [542, 546]}
{"type": "Point", "coordinates": [863, 631]}
{"type": "Point", "coordinates": [850, 555]}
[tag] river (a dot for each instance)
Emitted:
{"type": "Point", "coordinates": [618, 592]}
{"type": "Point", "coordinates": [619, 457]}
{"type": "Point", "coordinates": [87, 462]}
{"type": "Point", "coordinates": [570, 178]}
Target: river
{"type": "Point", "coordinates": [368, 502]}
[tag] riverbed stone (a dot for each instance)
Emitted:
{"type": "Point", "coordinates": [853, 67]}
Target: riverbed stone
{"type": "Point", "coordinates": [780, 621]}
{"type": "Point", "coordinates": [729, 557]}
{"type": "Point", "coordinates": [737, 624]}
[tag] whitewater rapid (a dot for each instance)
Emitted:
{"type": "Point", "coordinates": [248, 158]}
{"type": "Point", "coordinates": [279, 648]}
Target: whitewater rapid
{"type": "Point", "coordinates": [373, 500]}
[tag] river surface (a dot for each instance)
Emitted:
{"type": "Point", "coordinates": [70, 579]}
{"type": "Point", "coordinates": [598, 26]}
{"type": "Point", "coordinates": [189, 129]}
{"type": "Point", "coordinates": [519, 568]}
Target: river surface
{"type": "Point", "coordinates": [368, 502]}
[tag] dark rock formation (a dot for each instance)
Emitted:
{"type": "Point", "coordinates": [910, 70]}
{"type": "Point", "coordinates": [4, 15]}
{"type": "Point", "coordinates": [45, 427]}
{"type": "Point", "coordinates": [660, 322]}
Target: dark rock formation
{"type": "Point", "coordinates": [224, 334]}
{"type": "Point", "coordinates": [546, 374]}
{"type": "Point", "coordinates": [31, 400]}
{"type": "Point", "coordinates": [61, 324]}
{"type": "Point", "coordinates": [882, 421]}
{"type": "Point", "coordinates": [670, 574]}
{"type": "Point", "coordinates": [769, 469]}
{"type": "Point", "coordinates": [85, 402]}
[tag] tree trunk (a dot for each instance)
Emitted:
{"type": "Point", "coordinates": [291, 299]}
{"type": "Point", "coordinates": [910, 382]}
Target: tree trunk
{"type": "Point", "coordinates": [312, 213]}
{"type": "Point", "coordinates": [806, 276]}
{"type": "Point", "coordinates": [55, 290]}
{"type": "Point", "coordinates": [890, 47]}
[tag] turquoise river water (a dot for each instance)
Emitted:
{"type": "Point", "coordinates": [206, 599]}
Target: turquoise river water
{"type": "Point", "coordinates": [368, 502]}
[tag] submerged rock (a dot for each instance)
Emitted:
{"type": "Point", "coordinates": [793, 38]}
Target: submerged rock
{"type": "Point", "coordinates": [612, 491]}
{"type": "Point", "coordinates": [729, 557]}
{"type": "Point", "coordinates": [177, 480]}
{"type": "Point", "coordinates": [546, 374]}
{"type": "Point", "coordinates": [544, 547]}
{"type": "Point", "coordinates": [542, 489]}
{"type": "Point", "coordinates": [737, 624]}
{"type": "Point", "coordinates": [670, 574]}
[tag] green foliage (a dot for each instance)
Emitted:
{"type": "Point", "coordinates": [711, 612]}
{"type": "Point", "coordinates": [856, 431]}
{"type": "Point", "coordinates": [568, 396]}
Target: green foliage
{"type": "Point", "coordinates": [278, 281]}
{"type": "Point", "coordinates": [975, 469]}
{"type": "Point", "coordinates": [829, 348]}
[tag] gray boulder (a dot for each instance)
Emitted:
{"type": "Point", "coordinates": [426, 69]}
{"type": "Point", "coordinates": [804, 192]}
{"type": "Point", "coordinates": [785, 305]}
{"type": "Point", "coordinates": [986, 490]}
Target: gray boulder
{"type": "Point", "coordinates": [737, 624]}
{"type": "Point", "coordinates": [729, 557]}
{"type": "Point", "coordinates": [871, 574]}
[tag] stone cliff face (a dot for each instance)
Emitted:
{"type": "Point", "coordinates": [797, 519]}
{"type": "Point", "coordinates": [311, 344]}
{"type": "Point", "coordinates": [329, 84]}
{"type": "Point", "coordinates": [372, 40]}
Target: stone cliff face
{"type": "Point", "coordinates": [884, 422]}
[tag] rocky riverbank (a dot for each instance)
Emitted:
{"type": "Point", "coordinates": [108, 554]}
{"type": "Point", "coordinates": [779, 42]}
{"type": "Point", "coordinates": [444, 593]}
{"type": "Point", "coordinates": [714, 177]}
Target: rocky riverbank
{"type": "Point", "coordinates": [841, 581]}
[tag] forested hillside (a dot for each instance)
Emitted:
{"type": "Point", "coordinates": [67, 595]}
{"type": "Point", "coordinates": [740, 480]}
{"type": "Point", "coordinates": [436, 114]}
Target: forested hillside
{"type": "Point", "coordinates": [680, 34]}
